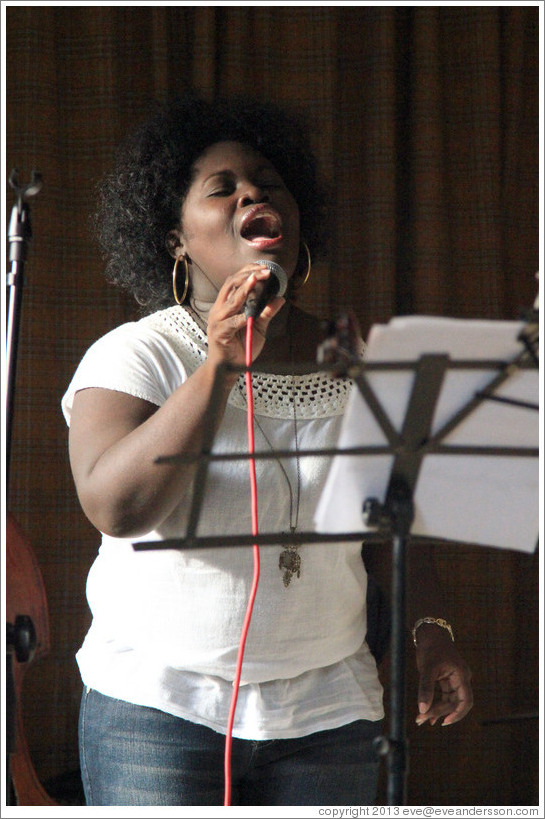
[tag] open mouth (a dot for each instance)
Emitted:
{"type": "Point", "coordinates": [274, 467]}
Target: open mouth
{"type": "Point", "coordinates": [260, 224]}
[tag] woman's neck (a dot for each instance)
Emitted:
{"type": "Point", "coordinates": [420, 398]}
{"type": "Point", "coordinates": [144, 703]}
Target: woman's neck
{"type": "Point", "coordinates": [202, 296]}
{"type": "Point", "coordinates": [292, 337]}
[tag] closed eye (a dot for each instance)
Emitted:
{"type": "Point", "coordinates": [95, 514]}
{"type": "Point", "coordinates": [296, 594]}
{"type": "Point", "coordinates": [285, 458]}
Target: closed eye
{"type": "Point", "coordinates": [223, 191]}
{"type": "Point", "coordinates": [227, 190]}
{"type": "Point", "coordinates": [226, 187]}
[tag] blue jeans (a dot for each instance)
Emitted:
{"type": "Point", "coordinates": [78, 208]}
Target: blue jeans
{"type": "Point", "coordinates": [131, 755]}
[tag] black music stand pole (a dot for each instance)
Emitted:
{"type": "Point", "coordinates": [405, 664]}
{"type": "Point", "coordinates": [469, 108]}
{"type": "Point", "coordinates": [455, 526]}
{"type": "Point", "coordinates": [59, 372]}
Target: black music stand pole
{"type": "Point", "coordinates": [399, 512]}
{"type": "Point", "coordinates": [395, 517]}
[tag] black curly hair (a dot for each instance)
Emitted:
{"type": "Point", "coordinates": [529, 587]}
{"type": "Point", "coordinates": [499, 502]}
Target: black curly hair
{"type": "Point", "coordinates": [140, 201]}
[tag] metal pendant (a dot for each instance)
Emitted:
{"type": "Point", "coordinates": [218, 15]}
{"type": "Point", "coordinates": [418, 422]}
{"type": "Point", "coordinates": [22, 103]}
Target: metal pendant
{"type": "Point", "coordinates": [289, 563]}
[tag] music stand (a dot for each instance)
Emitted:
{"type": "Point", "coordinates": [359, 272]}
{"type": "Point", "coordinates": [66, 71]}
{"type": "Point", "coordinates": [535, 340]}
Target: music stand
{"type": "Point", "coordinates": [401, 454]}
{"type": "Point", "coordinates": [428, 412]}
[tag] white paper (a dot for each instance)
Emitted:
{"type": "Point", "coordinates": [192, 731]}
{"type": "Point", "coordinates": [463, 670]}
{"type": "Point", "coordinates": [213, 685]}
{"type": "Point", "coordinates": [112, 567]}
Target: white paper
{"type": "Point", "coordinates": [487, 500]}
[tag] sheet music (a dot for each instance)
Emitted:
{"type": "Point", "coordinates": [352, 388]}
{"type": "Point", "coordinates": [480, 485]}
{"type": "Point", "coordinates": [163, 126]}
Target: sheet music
{"type": "Point", "coordinates": [484, 500]}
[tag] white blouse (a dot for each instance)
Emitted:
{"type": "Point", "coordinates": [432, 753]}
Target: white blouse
{"type": "Point", "coordinates": [167, 623]}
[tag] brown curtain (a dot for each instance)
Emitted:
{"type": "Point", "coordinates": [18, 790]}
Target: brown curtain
{"type": "Point", "coordinates": [425, 120]}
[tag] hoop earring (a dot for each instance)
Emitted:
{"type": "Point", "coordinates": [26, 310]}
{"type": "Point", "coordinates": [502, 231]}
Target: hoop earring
{"type": "Point", "coordinates": [186, 280]}
{"type": "Point", "coordinates": [309, 266]}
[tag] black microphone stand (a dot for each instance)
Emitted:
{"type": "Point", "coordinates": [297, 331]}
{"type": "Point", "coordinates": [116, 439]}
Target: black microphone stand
{"type": "Point", "coordinates": [20, 635]}
{"type": "Point", "coordinates": [19, 235]}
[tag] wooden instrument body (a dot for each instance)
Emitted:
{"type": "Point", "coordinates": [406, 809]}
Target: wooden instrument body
{"type": "Point", "coordinates": [25, 595]}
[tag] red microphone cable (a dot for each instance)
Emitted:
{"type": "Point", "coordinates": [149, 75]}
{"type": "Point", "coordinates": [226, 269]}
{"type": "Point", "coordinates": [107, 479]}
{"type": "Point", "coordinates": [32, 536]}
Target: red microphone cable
{"type": "Point", "coordinates": [255, 582]}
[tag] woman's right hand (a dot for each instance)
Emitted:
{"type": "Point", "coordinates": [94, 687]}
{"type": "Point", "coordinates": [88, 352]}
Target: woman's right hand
{"type": "Point", "coordinates": [227, 321]}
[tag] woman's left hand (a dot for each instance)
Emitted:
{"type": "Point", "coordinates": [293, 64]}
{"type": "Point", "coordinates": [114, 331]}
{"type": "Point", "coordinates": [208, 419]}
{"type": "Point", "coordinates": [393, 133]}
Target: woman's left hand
{"type": "Point", "coordinates": [444, 689]}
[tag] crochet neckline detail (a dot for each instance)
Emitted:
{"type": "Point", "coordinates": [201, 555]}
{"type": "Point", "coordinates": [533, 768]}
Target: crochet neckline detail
{"type": "Point", "coordinates": [317, 395]}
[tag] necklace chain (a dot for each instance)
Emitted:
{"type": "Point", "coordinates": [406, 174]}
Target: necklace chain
{"type": "Point", "coordinates": [289, 561]}
{"type": "Point", "coordinates": [293, 521]}
{"type": "Point", "coordinates": [199, 321]}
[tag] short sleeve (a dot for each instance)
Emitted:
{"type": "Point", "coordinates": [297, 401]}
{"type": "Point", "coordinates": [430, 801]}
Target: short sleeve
{"type": "Point", "coordinates": [133, 359]}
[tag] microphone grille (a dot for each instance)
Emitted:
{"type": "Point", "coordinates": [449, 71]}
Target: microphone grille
{"type": "Point", "coordinates": [279, 272]}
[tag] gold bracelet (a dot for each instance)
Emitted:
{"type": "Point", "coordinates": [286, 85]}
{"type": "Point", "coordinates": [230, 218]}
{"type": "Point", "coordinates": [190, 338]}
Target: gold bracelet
{"type": "Point", "coordinates": [434, 621]}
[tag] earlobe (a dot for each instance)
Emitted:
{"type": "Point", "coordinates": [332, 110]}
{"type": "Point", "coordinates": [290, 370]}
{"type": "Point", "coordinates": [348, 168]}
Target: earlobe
{"type": "Point", "coordinates": [174, 243]}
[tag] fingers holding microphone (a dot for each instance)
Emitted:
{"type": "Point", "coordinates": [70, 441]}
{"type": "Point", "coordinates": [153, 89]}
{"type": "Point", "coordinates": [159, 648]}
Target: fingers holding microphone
{"type": "Point", "coordinates": [262, 282]}
{"type": "Point", "coordinates": [256, 290]}
{"type": "Point", "coordinates": [266, 290]}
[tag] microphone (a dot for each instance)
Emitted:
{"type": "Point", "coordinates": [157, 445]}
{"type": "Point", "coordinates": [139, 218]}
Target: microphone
{"type": "Point", "coordinates": [265, 291]}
